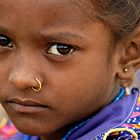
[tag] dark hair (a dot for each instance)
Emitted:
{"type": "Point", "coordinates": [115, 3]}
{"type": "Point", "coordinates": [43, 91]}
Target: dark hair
{"type": "Point", "coordinates": [121, 15]}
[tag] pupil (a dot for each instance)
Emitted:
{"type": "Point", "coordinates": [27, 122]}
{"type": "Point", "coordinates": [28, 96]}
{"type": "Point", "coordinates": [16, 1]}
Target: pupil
{"type": "Point", "coordinates": [4, 41]}
{"type": "Point", "coordinates": [64, 49]}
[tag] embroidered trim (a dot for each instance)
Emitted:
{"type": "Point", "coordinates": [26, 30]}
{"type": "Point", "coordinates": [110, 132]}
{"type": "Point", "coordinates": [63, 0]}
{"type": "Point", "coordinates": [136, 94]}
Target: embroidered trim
{"type": "Point", "coordinates": [120, 130]}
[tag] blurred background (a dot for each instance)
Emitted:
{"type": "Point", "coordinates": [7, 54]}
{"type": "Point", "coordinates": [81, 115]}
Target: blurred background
{"type": "Point", "coordinates": [137, 79]}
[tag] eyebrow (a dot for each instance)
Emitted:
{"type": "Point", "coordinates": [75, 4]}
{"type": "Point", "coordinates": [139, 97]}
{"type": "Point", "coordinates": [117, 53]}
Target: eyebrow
{"type": "Point", "coordinates": [6, 30]}
{"type": "Point", "coordinates": [62, 35]}
{"type": "Point", "coordinates": [54, 36]}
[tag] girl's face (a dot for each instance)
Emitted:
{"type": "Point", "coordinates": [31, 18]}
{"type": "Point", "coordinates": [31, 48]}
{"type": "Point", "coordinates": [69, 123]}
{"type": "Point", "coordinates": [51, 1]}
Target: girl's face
{"type": "Point", "coordinates": [55, 42]}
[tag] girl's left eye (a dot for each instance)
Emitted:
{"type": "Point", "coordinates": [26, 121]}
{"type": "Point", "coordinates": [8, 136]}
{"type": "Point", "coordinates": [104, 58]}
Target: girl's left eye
{"type": "Point", "coordinates": [60, 49]}
{"type": "Point", "coordinates": [5, 41]}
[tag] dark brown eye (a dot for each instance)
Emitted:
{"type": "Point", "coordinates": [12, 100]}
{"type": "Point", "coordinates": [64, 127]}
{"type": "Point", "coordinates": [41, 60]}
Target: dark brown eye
{"type": "Point", "coordinates": [5, 41]}
{"type": "Point", "coordinates": [60, 49]}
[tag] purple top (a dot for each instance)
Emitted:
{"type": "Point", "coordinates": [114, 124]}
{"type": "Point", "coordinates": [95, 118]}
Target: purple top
{"type": "Point", "coordinates": [109, 117]}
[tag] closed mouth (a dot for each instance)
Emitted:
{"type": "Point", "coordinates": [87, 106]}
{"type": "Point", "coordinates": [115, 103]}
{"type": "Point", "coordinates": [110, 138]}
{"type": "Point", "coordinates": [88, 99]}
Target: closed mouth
{"type": "Point", "coordinates": [26, 105]}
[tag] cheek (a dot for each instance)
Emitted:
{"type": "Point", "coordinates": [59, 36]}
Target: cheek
{"type": "Point", "coordinates": [4, 72]}
{"type": "Point", "coordinates": [4, 90]}
{"type": "Point", "coordinates": [81, 91]}
{"type": "Point", "coordinates": [6, 63]}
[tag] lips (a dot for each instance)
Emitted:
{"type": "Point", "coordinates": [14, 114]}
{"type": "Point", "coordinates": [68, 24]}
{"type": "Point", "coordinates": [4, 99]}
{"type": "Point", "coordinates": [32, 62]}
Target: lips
{"type": "Point", "coordinates": [26, 105]}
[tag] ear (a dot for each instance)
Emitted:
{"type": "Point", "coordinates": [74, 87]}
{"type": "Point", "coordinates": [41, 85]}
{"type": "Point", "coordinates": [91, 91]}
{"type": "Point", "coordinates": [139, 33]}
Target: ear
{"type": "Point", "coordinates": [129, 58]}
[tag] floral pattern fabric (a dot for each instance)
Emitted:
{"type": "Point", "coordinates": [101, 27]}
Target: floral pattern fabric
{"type": "Point", "coordinates": [129, 130]}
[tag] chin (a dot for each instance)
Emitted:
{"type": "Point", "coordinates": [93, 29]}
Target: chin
{"type": "Point", "coordinates": [34, 131]}
{"type": "Point", "coordinates": [29, 127]}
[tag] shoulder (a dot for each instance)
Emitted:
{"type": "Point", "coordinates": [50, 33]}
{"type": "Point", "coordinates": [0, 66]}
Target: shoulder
{"type": "Point", "coordinates": [21, 136]}
{"type": "Point", "coordinates": [130, 129]}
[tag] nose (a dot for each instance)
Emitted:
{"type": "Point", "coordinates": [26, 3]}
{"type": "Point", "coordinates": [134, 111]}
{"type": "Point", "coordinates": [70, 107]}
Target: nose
{"type": "Point", "coordinates": [23, 81]}
{"type": "Point", "coordinates": [23, 75]}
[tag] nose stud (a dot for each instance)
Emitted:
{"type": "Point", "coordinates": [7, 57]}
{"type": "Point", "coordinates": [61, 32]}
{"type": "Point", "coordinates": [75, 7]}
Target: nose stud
{"type": "Point", "coordinates": [38, 87]}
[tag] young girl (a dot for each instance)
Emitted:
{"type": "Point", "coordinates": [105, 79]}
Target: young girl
{"type": "Point", "coordinates": [65, 68]}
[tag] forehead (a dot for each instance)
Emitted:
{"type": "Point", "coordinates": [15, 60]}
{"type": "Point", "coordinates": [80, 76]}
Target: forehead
{"type": "Point", "coordinates": [44, 12]}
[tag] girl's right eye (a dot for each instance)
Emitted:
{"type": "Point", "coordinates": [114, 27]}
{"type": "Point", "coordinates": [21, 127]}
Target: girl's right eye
{"type": "Point", "coordinates": [5, 41]}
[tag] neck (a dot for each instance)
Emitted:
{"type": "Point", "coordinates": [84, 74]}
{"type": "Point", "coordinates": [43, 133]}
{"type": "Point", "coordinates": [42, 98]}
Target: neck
{"type": "Point", "coordinates": [65, 132]}
{"type": "Point", "coordinates": [54, 136]}
{"type": "Point", "coordinates": [57, 135]}
{"type": "Point", "coordinates": [51, 137]}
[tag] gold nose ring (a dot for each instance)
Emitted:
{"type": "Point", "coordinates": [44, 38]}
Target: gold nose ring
{"type": "Point", "coordinates": [38, 87]}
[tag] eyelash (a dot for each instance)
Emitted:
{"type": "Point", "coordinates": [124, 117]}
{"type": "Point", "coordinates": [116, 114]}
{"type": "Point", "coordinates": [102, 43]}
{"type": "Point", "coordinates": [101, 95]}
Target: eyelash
{"type": "Point", "coordinates": [5, 41]}
{"type": "Point", "coordinates": [58, 49]}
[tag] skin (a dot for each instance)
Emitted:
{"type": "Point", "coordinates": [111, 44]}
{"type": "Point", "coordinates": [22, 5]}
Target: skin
{"type": "Point", "coordinates": [74, 85]}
